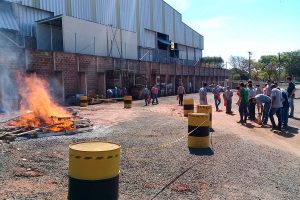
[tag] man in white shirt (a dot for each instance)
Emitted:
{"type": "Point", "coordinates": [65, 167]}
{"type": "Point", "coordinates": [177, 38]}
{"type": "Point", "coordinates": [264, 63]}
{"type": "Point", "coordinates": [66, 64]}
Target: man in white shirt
{"type": "Point", "coordinates": [276, 107]}
{"type": "Point", "coordinates": [203, 94]}
{"type": "Point", "coordinates": [228, 94]}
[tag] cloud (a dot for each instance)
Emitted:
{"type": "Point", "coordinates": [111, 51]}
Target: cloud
{"type": "Point", "coordinates": [180, 5]}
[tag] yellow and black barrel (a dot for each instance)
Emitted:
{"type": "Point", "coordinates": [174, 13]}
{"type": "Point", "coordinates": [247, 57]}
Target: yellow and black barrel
{"type": "Point", "coordinates": [198, 129]}
{"type": "Point", "coordinates": [188, 106]}
{"type": "Point", "coordinates": [83, 101]}
{"type": "Point", "coordinates": [127, 102]}
{"type": "Point", "coordinates": [94, 171]}
{"type": "Point", "coordinates": [207, 109]}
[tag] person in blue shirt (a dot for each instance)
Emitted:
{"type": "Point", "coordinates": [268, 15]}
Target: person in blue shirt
{"type": "Point", "coordinates": [109, 93]}
{"type": "Point", "coordinates": [285, 109]}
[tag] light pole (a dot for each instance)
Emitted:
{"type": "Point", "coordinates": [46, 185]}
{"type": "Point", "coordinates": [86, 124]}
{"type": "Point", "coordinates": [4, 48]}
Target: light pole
{"type": "Point", "coordinates": [250, 53]}
{"type": "Point", "coordinates": [279, 66]}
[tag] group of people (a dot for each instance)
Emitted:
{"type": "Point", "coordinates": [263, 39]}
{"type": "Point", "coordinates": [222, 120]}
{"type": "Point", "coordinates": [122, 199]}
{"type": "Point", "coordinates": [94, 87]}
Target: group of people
{"type": "Point", "coordinates": [116, 92]}
{"type": "Point", "coordinates": [269, 101]}
{"type": "Point", "coordinates": [150, 94]}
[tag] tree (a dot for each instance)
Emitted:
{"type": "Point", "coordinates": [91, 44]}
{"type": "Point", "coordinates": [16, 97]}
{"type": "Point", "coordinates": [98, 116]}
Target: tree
{"type": "Point", "coordinates": [240, 66]}
{"type": "Point", "coordinates": [215, 62]}
{"type": "Point", "coordinates": [270, 66]}
{"type": "Point", "coordinates": [290, 63]}
{"type": "Point", "coordinates": [239, 62]}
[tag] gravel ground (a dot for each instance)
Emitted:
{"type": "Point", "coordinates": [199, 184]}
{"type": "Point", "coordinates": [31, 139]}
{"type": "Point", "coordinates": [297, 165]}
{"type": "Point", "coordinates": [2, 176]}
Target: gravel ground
{"type": "Point", "coordinates": [247, 162]}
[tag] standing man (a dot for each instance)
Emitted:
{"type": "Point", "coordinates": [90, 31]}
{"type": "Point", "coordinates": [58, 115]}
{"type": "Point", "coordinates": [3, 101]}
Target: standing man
{"type": "Point", "coordinates": [244, 104]}
{"type": "Point", "coordinates": [203, 94]}
{"type": "Point", "coordinates": [146, 93]}
{"type": "Point", "coordinates": [285, 109]}
{"type": "Point", "coordinates": [180, 93]}
{"type": "Point", "coordinates": [265, 102]}
{"type": "Point", "coordinates": [251, 92]}
{"type": "Point", "coordinates": [258, 90]}
{"type": "Point", "coordinates": [154, 93]}
{"type": "Point", "coordinates": [269, 88]}
{"type": "Point", "coordinates": [276, 96]}
{"type": "Point", "coordinates": [217, 97]}
{"type": "Point", "coordinates": [228, 94]}
{"type": "Point", "coordinates": [291, 89]}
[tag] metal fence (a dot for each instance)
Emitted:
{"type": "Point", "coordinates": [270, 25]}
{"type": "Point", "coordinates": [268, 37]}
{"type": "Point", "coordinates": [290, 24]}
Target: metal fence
{"type": "Point", "coordinates": [163, 56]}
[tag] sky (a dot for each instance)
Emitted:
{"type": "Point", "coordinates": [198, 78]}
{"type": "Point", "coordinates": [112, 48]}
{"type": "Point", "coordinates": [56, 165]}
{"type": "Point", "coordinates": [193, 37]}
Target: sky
{"type": "Point", "coordinates": [235, 27]}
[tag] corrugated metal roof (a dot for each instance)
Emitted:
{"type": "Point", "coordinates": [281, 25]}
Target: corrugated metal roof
{"type": "Point", "coordinates": [8, 21]}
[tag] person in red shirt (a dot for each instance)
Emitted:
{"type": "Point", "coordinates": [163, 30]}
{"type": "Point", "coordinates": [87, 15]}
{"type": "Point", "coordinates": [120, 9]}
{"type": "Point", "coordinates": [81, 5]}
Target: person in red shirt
{"type": "Point", "coordinates": [154, 93]}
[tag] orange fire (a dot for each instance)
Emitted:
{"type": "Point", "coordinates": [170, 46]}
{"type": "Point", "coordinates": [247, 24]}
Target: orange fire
{"type": "Point", "coordinates": [38, 109]}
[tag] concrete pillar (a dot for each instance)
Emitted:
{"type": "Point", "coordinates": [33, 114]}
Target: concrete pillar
{"type": "Point", "coordinates": [194, 84]}
{"type": "Point", "coordinates": [174, 84]}
{"type": "Point", "coordinates": [188, 84]}
{"type": "Point", "coordinates": [102, 84]}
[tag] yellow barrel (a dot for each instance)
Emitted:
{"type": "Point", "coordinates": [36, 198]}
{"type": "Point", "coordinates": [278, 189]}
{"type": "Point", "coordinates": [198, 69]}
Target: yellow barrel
{"type": "Point", "coordinates": [207, 109]}
{"type": "Point", "coordinates": [127, 102]}
{"type": "Point", "coordinates": [83, 101]}
{"type": "Point", "coordinates": [198, 129]}
{"type": "Point", "coordinates": [94, 170]}
{"type": "Point", "coordinates": [188, 106]}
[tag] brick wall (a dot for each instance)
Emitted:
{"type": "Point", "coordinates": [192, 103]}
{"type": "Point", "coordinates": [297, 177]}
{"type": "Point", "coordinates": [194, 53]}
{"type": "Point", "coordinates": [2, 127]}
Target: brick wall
{"type": "Point", "coordinates": [69, 66]}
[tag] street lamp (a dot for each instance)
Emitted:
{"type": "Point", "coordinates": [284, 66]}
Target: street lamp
{"type": "Point", "coordinates": [250, 53]}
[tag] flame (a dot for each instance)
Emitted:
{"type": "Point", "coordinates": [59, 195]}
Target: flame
{"type": "Point", "coordinates": [38, 109]}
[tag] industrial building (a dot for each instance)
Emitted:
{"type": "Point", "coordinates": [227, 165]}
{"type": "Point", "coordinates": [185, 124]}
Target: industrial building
{"type": "Point", "coordinates": [130, 29]}
{"type": "Point", "coordinates": [144, 32]}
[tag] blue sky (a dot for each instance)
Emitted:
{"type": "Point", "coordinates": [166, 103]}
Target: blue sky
{"type": "Point", "coordinates": [234, 27]}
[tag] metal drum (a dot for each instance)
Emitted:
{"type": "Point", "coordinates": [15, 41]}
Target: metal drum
{"type": "Point", "coordinates": [94, 169]}
{"type": "Point", "coordinates": [83, 101]}
{"type": "Point", "coordinates": [207, 109]}
{"type": "Point", "coordinates": [198, 129]}
{"type": "Point", "coordinates": [188, 106]}
{"type": "Point", "coordinates": [127, 102]}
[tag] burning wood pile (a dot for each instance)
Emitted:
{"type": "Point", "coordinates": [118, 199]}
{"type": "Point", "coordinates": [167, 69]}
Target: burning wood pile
{"type": "Point", "coordinates": [39, 114]}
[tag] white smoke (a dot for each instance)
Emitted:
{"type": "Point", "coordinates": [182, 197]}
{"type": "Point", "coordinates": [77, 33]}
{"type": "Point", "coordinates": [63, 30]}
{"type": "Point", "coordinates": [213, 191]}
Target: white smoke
{"type": "Point", "coordinates": [9, 66]}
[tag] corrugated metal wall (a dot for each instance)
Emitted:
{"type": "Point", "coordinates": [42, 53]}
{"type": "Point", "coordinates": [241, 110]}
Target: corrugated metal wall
{"type": "Point", "coordinates": [154, 15]}
{"type": "Point", "coordinates": [149, 39]}
{"type": "Point", "coordinates": [182, 52]}
{"type": "Point", "coordinates": [169, 21]}
{"type": "Point", "coordinates": [56, 6]}
{"type": "Point", "coordinates": [198, 54]}
{"type": "Point", "coordinates": [106, 12]}
{"type": "Point", "coordinates": [196, 40]}
{"type": "Point", "coordinates": [128, 15]}
{"type": "Point", "coordinates": [179, 28]}
{"type": "Point", "coordinates": [26, 2]}
{"type": "Point", "coordinates": [201, 42]}
{"type": "Point", "coordinates": [191, 53]}
{"type": "Point", "coordinates": [81, 9]}
{"type": "Point", "coordinates": [26, 18]}
{"type": "Point", "coordinates": [144, 13]}
{"type": "Point", "coordinates": [158, 15]}
{"type": "Point", "coordinates": [144, 19]}
{"type": "Point", "coordinates": [189, 36]}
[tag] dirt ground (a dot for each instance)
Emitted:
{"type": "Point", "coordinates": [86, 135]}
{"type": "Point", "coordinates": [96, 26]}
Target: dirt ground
{"type": "Point", "coordinates": [246, 162]}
